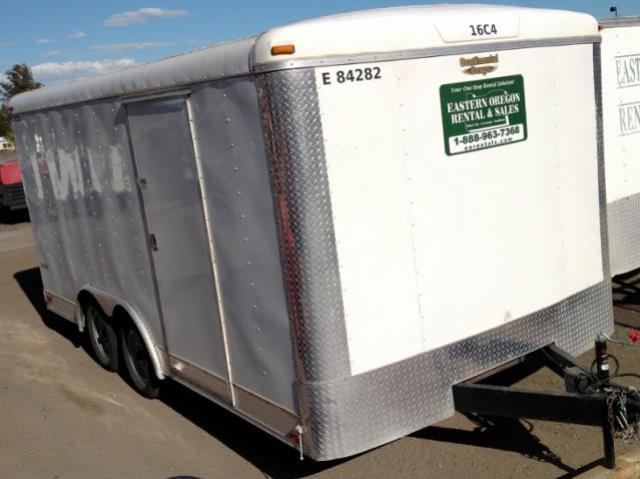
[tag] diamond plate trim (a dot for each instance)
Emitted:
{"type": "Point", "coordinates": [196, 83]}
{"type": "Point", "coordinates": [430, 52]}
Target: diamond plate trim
{"type": "Point", "coordinates": [300, 185]}
{"type": "Point", "coordinates": [361, 412]}
{"type": "Point", "coordinates": [602, 188]}
{"type": "Point", "coordinates": [624, 234]}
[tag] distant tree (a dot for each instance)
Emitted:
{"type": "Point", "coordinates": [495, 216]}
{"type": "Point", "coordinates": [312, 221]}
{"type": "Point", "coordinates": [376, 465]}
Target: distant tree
{"type": "Point", "coordinates": [5, 123]}
{"type": "Point", "coordinates": [19, 80]}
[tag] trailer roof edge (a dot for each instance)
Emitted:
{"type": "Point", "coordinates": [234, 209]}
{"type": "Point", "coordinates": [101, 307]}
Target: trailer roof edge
{"type": "Point", "coordinates": [423, 53]}
{"type": "Point", "coordinates": [610, 22]}
{"type": "Point", "coordinates": [320, 41]}
{"type": "Point", "coordinates": [223, 60]}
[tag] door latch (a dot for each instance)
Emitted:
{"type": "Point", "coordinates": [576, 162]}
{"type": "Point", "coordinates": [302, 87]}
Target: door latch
{"type": "Point", "coordinates": [153, 242]}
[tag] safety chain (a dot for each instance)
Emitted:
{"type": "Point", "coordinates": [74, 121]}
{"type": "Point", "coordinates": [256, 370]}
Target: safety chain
{"type": "Point", "coordinates": [624, 427]}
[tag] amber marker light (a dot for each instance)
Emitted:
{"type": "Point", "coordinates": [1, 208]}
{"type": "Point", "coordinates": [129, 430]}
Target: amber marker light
{"type": "Point", "coordinates": [283, 49]}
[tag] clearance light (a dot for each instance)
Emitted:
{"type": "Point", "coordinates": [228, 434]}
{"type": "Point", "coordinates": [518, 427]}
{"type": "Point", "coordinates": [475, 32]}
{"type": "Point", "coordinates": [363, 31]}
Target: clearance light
{"type": "Point", "coordinates": [283, 50]}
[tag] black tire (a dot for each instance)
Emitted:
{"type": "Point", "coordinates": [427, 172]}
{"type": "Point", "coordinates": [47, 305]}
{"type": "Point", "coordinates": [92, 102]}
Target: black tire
{"type": "Point", "coordinates": [103, 338]}
{"type": "Point", "coordinates": [138, 362]}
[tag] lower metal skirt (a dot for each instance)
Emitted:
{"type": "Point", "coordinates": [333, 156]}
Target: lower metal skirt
{"type": "Point", "coordinates": [357, 413]}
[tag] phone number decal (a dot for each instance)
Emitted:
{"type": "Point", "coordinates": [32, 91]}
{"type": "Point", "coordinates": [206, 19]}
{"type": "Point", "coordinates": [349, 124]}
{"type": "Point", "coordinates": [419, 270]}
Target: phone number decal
{"type": "Point", "coordinates": [486, 139]}
{"type": "Point", "coordinates": [483, 114]}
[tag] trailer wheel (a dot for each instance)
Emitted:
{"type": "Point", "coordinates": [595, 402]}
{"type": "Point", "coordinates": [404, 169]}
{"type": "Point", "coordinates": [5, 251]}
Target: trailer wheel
{"type": "Point", "coordinates": [138, 362]}
{"type": "Point", "coordinates": [103, 338]}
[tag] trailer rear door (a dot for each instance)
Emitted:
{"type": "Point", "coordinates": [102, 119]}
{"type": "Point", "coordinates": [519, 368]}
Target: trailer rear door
{"type": "Point", "coordinates": [477, 216]}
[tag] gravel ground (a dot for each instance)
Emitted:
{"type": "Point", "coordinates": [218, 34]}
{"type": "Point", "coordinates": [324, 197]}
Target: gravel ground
{"type": "Point", "coordinates": [62, 416]}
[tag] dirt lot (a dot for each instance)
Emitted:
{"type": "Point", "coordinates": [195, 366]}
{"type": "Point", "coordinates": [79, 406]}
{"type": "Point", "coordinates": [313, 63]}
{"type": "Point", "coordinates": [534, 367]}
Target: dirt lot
{"type": "Point", "coordinates": [62, 416]}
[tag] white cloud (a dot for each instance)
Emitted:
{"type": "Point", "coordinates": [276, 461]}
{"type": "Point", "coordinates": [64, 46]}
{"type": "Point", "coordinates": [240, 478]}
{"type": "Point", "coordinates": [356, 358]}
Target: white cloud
{"type": "Point", "coordinates": [74, 69]}
{"type": "Point", "coordinates": [54, 53]}
{"type": "Point", "coordinates": [141, 16]}
{"type": "Point", "coordinates": [76, 34]}
{"type": "Point", "coordinates": [121, 47]}
{"type": "Point", "coordinates": [44, 40]}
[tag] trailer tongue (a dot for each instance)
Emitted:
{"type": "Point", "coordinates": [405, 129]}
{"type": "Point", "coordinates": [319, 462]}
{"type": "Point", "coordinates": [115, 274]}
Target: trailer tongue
{"type": "Point", "coordinates": [591, 397]}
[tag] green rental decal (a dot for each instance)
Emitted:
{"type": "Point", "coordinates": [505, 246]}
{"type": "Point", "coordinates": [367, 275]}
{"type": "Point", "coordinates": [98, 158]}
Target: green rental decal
{"type": "Point", "coordinates": [482, 114]}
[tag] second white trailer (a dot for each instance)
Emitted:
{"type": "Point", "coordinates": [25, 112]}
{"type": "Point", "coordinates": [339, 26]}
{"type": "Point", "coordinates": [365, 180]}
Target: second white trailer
{"type": "Point", "coordinates": [621, 122]}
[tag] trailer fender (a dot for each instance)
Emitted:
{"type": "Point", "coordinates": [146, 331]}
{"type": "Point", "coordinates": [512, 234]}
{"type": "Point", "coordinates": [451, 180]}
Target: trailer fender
{"type": "Point", "coordinates": [109, 302]}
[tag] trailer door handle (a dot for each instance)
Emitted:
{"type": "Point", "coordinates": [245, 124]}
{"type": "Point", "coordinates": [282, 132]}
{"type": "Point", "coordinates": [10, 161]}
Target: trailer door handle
{"type": "Point", "coordinates": [153, 242]}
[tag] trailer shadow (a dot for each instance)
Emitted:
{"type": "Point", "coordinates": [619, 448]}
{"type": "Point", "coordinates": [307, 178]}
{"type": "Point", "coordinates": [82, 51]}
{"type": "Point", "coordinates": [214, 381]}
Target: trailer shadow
{"type": "Point", "coordinates": [30, 282]}
{"type": "Point", "coordinates": [505, 434]}
{"type": "Point", "coordinates": [268, 454]}
{"type": "Point", "coordinates": [626, 297]}
{"type": "Point", "coordinates": [13, 217]}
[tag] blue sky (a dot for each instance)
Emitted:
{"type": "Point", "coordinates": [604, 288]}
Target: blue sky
{"type": "Point", "coordinates": [67, 39]}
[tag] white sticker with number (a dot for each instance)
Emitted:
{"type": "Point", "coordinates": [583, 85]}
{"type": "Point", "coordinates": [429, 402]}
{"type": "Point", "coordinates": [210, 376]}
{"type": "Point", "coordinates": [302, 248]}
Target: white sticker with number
{"type": "Point", "coordinates": [479, 27]}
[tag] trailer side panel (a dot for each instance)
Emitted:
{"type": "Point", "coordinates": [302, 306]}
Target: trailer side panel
{"type": "Point", "coordinates": [229, 136]}
{"type": "Point", "coordinates": [84, 205]}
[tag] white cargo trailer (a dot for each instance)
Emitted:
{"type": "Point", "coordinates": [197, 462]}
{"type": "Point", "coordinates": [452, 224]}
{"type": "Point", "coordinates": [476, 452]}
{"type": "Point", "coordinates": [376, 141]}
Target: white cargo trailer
{"type": "Point", "coordinates": [325, 227]}
{"type": "Point", "coordinates": [621, 123]}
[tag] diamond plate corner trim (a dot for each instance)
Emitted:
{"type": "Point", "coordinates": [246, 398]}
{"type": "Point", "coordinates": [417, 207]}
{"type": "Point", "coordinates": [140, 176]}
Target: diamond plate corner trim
{"type": "Point", "coordinates": [602, 188]}
{"type": "Point", "coordinates": [295, 149]}
{"type": "Point", "coordinates": [624, 234]}
{"type": "Point", "coordinates": [361, 412]}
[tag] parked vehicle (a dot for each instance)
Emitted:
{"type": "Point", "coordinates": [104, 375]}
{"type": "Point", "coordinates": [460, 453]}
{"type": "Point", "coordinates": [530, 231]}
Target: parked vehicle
{"type": "Point", "coordinates": [5, 144]}
{"type": "Point", "coordinates": [12, 195]}
{"type": "Point", "coordinates": [325, 227]}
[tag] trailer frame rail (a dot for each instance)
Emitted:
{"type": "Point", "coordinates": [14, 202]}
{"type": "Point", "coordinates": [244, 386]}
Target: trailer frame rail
{"type": "Point", "coordinates": [580, 403]}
